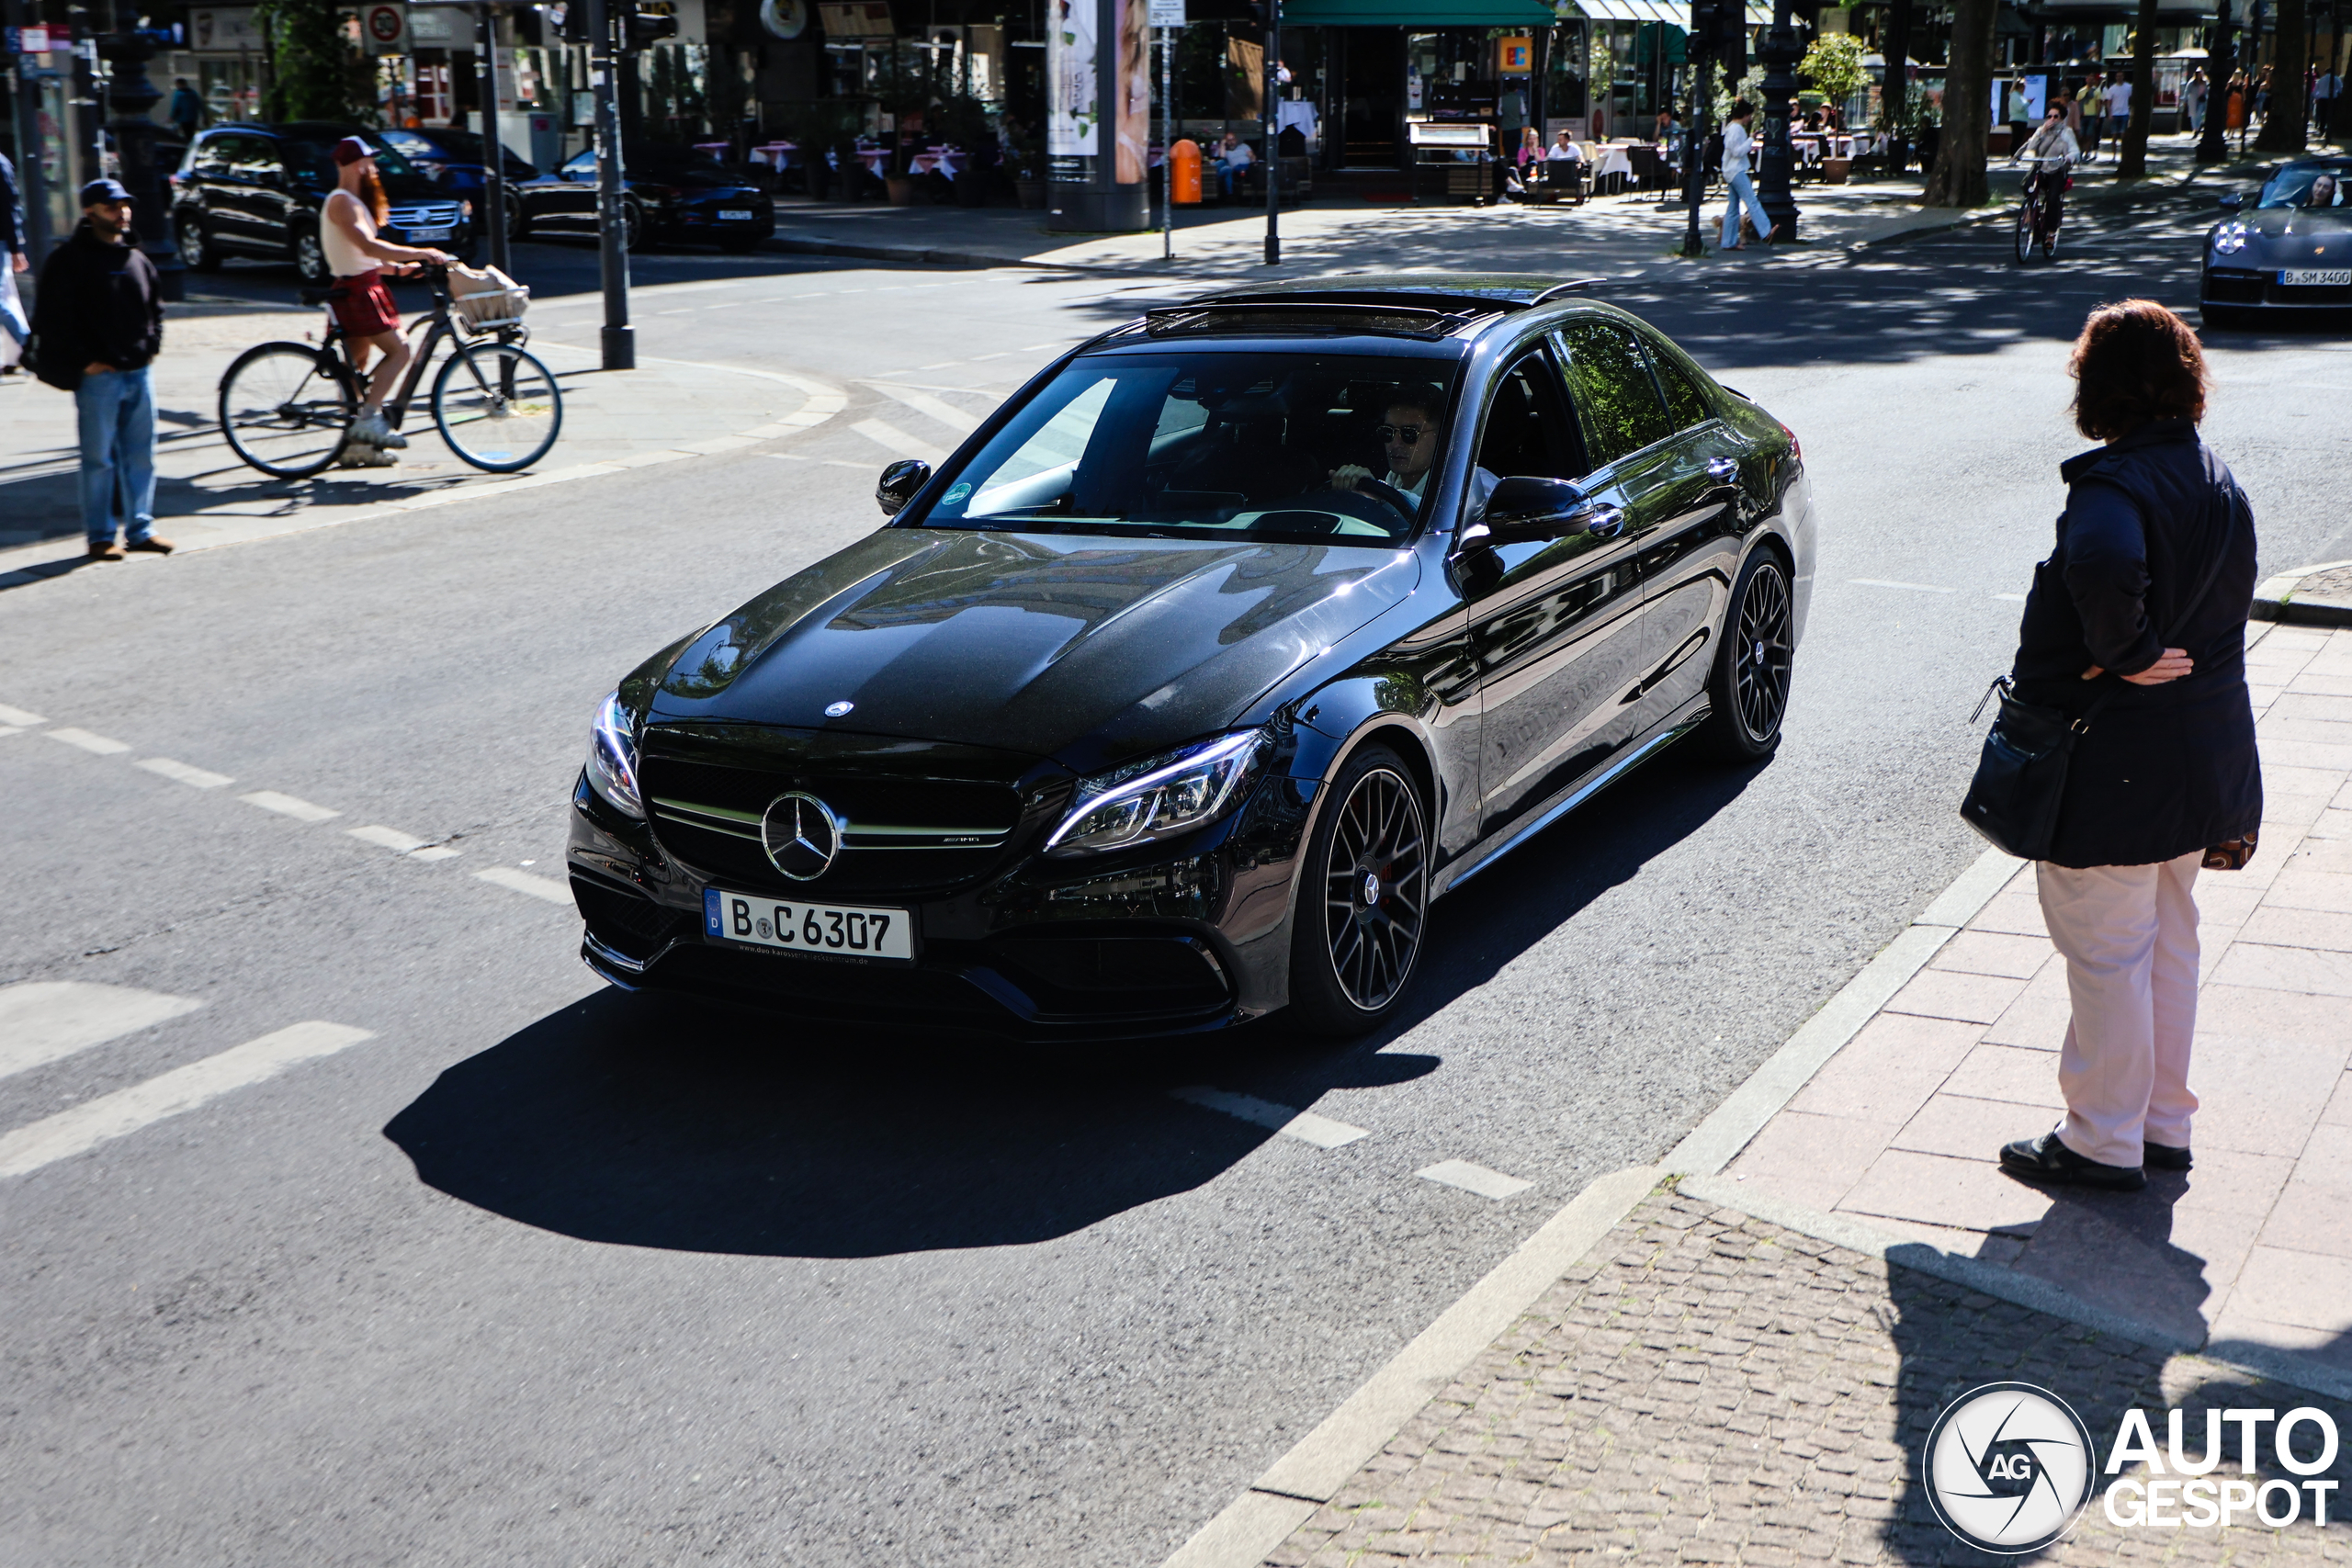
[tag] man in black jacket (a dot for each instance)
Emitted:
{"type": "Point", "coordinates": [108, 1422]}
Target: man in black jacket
{"type": "Point", "coordinates": [96, 326]}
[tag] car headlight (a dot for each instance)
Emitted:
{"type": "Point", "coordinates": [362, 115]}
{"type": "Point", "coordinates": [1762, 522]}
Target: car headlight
{"type": "Point", "coordinates": [2229, 238]}
{"type": "Point", "coordinates": [612, 760]}
{"type": "Point", "coordinates": [1158, 797]}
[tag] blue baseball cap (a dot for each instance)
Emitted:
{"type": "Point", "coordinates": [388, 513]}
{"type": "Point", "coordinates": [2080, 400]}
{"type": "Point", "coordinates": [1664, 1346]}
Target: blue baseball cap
{"type": "Point", "coordinates": [104, 190]}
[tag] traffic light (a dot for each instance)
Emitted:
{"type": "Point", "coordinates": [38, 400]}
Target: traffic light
{"type": "Point", "coordinates": [651, 21]}
{"type": "Point", "coordinates": [1719, 29]}
{"type": "Point", "coordinates": [570, 19]}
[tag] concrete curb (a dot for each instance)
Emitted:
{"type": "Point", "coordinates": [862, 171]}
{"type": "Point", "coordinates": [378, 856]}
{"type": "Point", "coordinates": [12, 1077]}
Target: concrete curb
{"type": "Point", "coordinates": [1302, 1480]}
{"type": "Point", "coordinates": [2275, 599]}
{"type": "Point", "coordinates": [2006, 1284]}
{"type": "Point", "coordinates": [1716, 1142]}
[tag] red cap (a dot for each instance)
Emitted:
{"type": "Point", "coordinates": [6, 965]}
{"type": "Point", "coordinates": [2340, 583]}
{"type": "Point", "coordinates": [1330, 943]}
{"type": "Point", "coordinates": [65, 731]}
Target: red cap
{"type": "Point", "coordinates": [350, 150]}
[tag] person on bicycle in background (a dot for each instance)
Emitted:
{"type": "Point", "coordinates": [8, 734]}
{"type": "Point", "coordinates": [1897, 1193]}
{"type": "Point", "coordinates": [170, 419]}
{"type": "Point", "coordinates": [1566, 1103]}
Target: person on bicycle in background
{"type": "Point", "coordinates": [2053, 149]}
{"type": "Point", "coordinates": [362, 304]}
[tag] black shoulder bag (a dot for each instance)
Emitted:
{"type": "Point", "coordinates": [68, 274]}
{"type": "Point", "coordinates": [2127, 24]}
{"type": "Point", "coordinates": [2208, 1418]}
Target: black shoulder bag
{"type": "Point", "coordinates": [2021, 777]}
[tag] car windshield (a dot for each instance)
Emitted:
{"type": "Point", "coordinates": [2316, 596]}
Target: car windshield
{"type": "Point", "coordinates": [1266, 446]}
{"type": "Point", "coordinates": [2308, 185]}
{"type": "Point", "coordinates": [312, 162]}
{"type": "Point", "coordinates": [661, 165]}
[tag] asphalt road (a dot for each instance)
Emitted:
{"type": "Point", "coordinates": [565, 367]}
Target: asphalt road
{"type": "Point", "coordinates": [540, 1272]}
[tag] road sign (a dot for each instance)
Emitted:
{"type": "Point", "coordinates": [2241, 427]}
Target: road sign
{"type": "Point", "coordinates": [386, 27]}
{"type": "Point", "coordinates": [1168, 13]}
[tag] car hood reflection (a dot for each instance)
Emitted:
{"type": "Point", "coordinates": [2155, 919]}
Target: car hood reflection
{"type": "Point", "coordinates": [1032, 642]}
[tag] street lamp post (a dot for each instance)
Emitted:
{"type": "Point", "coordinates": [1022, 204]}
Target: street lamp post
{"type": "Point", "coordinates": [619, 340]}
{"type": "Point", "coordinates": [494, 152]}
{"type": "Point", "coordinates": [1274, 164]}
{"type": "Point", "coordinates": [1779, 54]}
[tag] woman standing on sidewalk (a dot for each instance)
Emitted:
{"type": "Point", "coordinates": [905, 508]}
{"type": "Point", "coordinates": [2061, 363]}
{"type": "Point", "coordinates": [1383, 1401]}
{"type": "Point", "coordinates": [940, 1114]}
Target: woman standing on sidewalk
{"type": "Point", "coordinates": [2155, 535]}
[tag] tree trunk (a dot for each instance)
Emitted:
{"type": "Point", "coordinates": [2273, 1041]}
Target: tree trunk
{"type": "Point", "coordinates": [2132, 158]}
{"type": "Point", "coordinates": [2282, 128]}
{"type": "Point", "coordinates": [1958, 179]}
{"type": "Point", "coordinates": [1895, 89]}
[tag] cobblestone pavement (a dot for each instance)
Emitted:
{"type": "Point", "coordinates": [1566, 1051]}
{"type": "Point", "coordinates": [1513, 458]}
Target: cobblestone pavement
{"type": "Point", "coordinates": [1705, 1387]}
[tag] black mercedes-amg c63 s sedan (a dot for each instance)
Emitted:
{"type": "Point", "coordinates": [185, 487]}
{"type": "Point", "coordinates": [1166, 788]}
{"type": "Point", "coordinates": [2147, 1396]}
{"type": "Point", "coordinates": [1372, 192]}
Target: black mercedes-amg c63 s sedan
{"type": "Point", "coordinates": [1182, 689]}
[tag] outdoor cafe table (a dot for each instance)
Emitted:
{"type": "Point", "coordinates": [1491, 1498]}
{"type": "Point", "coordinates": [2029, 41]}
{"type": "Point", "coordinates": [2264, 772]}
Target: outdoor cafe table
{"type": "Point", "coordinates": [776, 155]}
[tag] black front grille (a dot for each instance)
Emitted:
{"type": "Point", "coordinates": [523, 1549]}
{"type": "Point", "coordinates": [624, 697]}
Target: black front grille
{"type": "Point", "coordinates": [905, 835]}
{"type": "Point", "coordinates": [633, 926]}
{"type": "Point", "coordinates": [2240, 288]}
{"type": "Point", "coordinates": [1111, 976]}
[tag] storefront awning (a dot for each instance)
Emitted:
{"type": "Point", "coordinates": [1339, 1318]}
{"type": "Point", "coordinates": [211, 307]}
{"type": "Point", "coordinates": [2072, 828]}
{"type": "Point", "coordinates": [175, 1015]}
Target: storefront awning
{"type": "Point", "coordinates": [1636, 11]}
{"type": "Point", "coordinates": [1421, 14]}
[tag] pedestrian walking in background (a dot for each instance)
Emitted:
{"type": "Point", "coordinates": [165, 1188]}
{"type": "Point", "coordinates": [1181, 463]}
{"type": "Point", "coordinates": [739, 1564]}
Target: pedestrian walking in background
{"type": "Point", "coordinates": [2136, 628]}
{"type": "Point", "coordinates": [14, 328]}
{"type": "Point", "coordinates": [2193, 96]}
{"type": "Point", "coordinates": [97, 325]}
{"type": "Point", "coordinates": [2326, 87]}
{"type": "Point", "coordinates": [186, 111]}
{"type": "Point", "coordinates": [1740, 189]}
{"type": "Point", "coordinates": [2118, 108]}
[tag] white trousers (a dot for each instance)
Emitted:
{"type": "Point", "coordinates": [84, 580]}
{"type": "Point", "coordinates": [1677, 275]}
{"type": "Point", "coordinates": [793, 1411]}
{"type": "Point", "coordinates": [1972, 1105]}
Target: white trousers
{"type": "Point", "coordinates": [2128, 935]}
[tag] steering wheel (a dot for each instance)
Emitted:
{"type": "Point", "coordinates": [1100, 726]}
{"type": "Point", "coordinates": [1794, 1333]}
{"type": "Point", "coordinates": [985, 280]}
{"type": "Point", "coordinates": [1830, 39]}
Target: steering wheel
{"type": "Point", "coordinates": [1381, 490]}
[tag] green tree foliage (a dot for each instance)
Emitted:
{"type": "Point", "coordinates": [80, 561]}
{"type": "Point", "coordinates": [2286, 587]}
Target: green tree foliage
{"type": "Point", "coordinates": [315, 69]}
{"type": "Point", "coordinates": [1833, 65]}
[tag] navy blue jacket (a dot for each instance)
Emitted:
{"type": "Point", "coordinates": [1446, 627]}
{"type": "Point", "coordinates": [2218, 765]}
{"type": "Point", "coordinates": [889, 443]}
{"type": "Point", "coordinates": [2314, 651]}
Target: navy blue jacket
{"type": "Point", "coordinates": [12, 209]}
{"type": "Point", "coordinates": [2162, 770]}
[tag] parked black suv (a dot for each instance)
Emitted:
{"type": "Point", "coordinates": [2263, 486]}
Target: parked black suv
{"type": "Point", "coordinates": [255, 191]}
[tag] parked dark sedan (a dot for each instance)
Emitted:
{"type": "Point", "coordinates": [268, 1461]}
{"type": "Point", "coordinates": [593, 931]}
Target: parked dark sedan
{"type": "Point", "coordinates": [668, 195]}
{"type": "Point", "coordinates": [256, 190]}
{"type": "Point", "coordinates": [453, 159]}
{"type": "Point", "coordinates": [2292, 252]}
{"type": "Point", "coordinates": [1178, 693]}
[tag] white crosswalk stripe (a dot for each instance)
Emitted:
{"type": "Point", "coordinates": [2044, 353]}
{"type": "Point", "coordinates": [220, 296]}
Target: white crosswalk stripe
{"type": "Point", "coordinates": [46, 1021]}
{"type": "Point", "coordinates": [930, 407]}
{"type": "Point", "coordinates": [890, 438]}
{"type": "Point", "coordinates": [1304, 1125]}
{"type": "Point", "coordinates": [1474, 1178]}
{"type": "Point", "coordinates": [111, 1116]}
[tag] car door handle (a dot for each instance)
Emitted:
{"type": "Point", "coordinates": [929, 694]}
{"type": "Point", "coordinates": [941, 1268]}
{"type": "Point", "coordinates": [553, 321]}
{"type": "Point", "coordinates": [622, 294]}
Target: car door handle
{"type": "Point", "coordinates": [1725, 470]}
{"type": "Point", "coordinates": [1607, 523]}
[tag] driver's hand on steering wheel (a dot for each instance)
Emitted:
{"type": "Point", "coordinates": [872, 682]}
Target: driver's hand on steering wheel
{"type": "Point", "coordinates": [1345, 476]}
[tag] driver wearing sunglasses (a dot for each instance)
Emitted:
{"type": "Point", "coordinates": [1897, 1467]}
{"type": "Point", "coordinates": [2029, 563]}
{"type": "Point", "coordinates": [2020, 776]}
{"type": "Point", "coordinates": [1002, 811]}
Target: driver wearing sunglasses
{"type": "Point", "coordinates": [1412, 434]}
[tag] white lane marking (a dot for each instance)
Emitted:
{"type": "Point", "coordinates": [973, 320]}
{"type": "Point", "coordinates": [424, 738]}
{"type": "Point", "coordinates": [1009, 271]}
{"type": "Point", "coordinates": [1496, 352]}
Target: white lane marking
{"type": "Point", "coordinates": [524, 882]}
{"type": "Point", "coordinates": [20, 716]}
{"type": "Point", "coordinates": [943, 364]}
{"type": "Point", "coordinates": [923, 403]}
{"type": "Point", "coordinates": [2012, 598]}
{"type": "Point", "coordinates": [891, 438]}
{"type": "Point", "coordinates": [12, 729]}
{"type": "Point", "coordinates": [984, 358]}
{"type": "Point", "coordinates": [288, 805]}
{"type": "Point", "coordinates": [42, 1020]}
{"type": "Point", "coordinates": [88, 742]}
{"type": "Point", "coordinates": [392, 839]}
{"type": "Point", "coordinates": [1474, 1178]}
{"type": "Point", "coordinates": [1041, 347]}
{"type": "Point", "coordinates": [846, 463]}
{"type": "Point", "coordinates": [185, 774]}
{"type": "Point", "coordinates": [110, 1116]}
{"type": "Point", "coordinates": [1911, 587]}
{"type": "Point", "coordinates": [1304, 1125]}
{"type": "Point", "coordinates": [789, 457]}
{"type": "Point", "coordinates": [435, 851]}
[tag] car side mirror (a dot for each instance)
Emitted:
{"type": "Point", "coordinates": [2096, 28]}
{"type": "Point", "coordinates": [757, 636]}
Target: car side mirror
{"type": "Point", "coordinates": [2232, 201]}
{"type": "Point", "coordinates": [1528, 508]}
{"type": "Point", "coordinates": [899, 483]}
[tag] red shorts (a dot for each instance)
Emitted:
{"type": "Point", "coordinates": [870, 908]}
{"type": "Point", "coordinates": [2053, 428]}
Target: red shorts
{"type": "Point", "coordinates": [363, 306]}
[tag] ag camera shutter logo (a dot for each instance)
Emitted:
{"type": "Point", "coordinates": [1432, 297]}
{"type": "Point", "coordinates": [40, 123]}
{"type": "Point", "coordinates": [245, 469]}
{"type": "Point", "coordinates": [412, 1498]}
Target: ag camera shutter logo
{"type": "Point", "coordinates": [2009, 1468]}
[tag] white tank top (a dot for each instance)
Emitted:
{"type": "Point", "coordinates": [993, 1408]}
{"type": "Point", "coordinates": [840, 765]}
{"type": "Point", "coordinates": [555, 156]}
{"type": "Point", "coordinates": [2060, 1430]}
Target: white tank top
{"type": "Point", "coordinates": [343, 258]}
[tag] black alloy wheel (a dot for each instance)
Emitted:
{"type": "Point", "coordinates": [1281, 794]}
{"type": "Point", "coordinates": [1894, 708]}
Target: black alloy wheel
{"type": "Point", "coordinates": [632, 227]}
{"type": "Point", "coordinates": [1363, 898]}
{"type": "Point", "coordinates": [1749, 692]}
{"type": "Point", "coordinates": [199, 253]}
{"type": "Point", "coordinates": [518, 222]}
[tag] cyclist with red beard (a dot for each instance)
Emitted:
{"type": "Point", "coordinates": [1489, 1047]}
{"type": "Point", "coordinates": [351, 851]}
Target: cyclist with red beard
{"type": "Point", "coordinates": [362, 304]}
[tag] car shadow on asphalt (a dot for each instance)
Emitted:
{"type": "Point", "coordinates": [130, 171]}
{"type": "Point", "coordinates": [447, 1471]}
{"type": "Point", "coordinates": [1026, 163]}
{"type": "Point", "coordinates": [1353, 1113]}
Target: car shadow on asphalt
{"type": "Point", "coordinates": [645, 1122]}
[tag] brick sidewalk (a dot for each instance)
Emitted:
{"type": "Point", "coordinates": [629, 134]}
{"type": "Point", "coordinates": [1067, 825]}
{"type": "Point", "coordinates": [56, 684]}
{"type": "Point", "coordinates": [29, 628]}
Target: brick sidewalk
{"type": "Point", "coordinates": [1705, 1387]}
{"type": "Point", "coordinates": [2254, 1248]}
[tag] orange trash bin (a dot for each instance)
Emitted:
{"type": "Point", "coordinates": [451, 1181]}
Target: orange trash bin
{"type": "Point", "coordinates": [1184, 172]}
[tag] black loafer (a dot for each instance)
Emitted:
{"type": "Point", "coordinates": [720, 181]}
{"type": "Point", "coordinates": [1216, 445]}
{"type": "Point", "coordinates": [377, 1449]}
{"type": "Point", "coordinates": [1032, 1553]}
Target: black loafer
{"type": "Point", "coordinates": [2045, 1158]}
{"type": "Point", "coordinates": [2164, 1156]}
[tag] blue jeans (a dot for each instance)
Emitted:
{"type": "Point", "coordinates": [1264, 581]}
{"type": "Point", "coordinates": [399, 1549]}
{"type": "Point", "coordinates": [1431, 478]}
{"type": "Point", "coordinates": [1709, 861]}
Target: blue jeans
{"type": "Point", "coordinates": [118, 420]}
{"type": "Point", "coordinates": [1743, 191]}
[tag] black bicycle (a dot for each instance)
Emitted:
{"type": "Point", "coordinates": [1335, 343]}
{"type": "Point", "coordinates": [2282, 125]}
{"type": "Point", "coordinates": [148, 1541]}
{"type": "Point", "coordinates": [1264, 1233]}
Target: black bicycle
{"type": "Point", "coordinates": [2039, 214]}
{"type": "Point", "coordinates": [286, 407]}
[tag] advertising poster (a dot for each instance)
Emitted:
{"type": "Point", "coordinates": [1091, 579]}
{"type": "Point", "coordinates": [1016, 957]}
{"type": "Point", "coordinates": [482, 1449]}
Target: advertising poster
{"type": "Point", "coordinates": [1073, 118]}
{"type": "Point", "coordinates": [1134, 91]}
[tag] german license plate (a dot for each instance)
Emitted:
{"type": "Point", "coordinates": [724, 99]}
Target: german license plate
{"type": "Point", "coordinates": [2314, 277]}
{"type": "Point", "coordinates": [734, 214]}
{"type": "Point", "coordinates": [429, 234]}
{"type": "Point", "coordinates": [837, 930]}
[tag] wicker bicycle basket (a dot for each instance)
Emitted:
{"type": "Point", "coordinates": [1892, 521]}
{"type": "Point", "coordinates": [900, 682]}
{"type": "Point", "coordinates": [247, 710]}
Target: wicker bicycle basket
{"type": "Point", "coordinates": [486, 300]}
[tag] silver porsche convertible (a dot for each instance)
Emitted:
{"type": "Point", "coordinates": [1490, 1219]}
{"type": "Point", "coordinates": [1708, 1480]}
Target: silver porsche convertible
{"type": "Point", "coordinates": [2292, 252]}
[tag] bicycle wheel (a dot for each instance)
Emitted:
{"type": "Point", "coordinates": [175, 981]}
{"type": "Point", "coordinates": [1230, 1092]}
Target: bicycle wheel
{"type": "Point", "coordinates": [2029, 218]}
{"type": "Point", "coordinates": [497, 407]}
{"type": "Point", "coordinates": [284, 407]}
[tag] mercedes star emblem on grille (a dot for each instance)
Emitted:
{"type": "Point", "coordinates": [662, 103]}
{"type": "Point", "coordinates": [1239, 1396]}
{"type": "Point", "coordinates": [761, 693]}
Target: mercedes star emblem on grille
{"type": "Point", "coordinates": [802, 835]}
